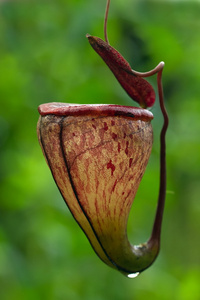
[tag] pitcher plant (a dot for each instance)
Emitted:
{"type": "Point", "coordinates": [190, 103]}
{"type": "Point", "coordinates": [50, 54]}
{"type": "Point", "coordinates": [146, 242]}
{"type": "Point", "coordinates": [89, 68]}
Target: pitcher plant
{"type": "Point", "coordinates": [97, 155]}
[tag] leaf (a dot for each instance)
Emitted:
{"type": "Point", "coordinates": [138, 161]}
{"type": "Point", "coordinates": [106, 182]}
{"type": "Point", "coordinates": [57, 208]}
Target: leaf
{"type": "Point", "coordinates": [136, 87]}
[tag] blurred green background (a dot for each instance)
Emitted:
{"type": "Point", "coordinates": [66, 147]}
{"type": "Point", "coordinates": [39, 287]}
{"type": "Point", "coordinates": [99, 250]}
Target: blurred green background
{"type": "Point", "coordinates": [44, 57]}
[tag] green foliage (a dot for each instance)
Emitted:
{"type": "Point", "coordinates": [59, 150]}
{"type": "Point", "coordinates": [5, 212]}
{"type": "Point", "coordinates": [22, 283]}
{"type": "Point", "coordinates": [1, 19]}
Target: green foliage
{"type": "Point", "coordinates": [44, 57]}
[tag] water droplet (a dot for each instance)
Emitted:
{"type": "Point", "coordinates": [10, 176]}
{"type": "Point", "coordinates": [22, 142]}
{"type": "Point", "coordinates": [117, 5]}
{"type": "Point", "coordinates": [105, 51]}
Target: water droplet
{"type": "Point", "coordinates": [133, 275]}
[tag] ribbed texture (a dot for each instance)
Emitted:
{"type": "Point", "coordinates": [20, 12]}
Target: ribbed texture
{"type": "Point", "coordinates": [97, 163]}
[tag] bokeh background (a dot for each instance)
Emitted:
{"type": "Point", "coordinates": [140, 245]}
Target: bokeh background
{"type": "Point", "coordinates": [44, 57]}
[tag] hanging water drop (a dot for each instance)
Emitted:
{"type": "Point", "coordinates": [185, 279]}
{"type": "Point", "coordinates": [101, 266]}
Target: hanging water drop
{"type": "Point", "coordinates": [133, 275]}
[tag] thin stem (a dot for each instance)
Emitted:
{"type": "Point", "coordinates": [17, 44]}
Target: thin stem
{"type": "Point", "coordinates": [156, 232]}
{"type": "Point", "coordinates": [105, 21]}
{"type": "Point", "coordinates": [157, 69]}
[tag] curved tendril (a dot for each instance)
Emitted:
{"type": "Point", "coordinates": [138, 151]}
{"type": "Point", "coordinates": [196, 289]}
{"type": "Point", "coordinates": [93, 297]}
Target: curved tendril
{"type": "Point", "coordinates": [156, 232]}
{"type": "Point", "coordinates": [157, 69]}
{"type": "Point", "coordinates": [105, 21]}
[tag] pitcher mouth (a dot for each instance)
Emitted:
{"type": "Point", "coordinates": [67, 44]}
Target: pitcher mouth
{"type": "Point", "coordinates": [68, 109]}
